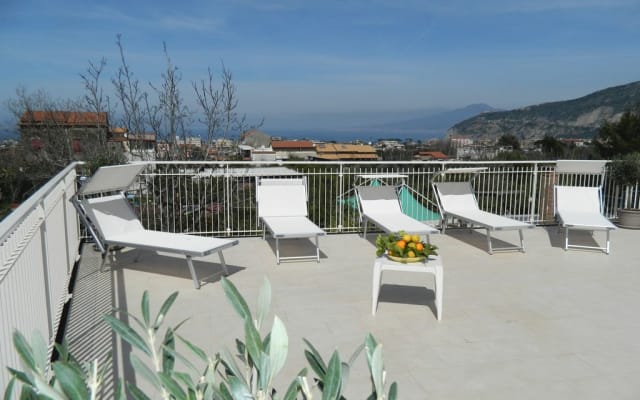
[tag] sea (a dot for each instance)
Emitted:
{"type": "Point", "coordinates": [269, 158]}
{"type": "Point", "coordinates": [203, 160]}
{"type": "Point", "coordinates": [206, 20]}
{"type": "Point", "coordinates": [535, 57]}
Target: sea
{"type": "Point", "coordinates": [324, 135]}
{"type": "Point", "coordinates": [352, 135]}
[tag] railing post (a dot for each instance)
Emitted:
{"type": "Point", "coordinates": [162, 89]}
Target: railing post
{"type": "Point", "coordinates": [339, 190]}
{"type": "Point", "coordinates": [227, 198]}
{"type": "Point", "coordinates": [45, 270]}
{"type": "Point", "coordinates": [534, 193]}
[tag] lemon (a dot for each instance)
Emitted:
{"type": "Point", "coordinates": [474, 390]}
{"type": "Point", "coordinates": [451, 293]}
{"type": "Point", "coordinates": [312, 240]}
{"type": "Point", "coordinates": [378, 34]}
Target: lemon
{"type": "Point", "coordinates": [415, 238]}
{"type": "Point", "coordinates": [406, 238]}
{"type": "Point", "coordinates": [411, 254]}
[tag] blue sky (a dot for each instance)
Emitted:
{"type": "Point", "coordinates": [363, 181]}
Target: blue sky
{"type": "Point", "coordinates": [296, 57]}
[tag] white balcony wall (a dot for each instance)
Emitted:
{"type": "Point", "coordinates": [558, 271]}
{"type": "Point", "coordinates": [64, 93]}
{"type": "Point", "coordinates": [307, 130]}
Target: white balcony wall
{"type": "Point", "coordinates": [38, 246]}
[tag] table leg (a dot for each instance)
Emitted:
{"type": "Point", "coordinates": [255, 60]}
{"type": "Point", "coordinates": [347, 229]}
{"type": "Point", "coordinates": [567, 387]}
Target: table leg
{"type": "Point", "coordinates": [439, 289]}
{"type": "Point", "coordinates": [377, 276]}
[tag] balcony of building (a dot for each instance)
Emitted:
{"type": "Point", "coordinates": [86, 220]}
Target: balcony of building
{"type": "Point", "coordinates": [545, 323]}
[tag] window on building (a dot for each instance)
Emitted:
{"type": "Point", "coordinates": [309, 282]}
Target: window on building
{"type": "Point", "coordinates": [75, 145]}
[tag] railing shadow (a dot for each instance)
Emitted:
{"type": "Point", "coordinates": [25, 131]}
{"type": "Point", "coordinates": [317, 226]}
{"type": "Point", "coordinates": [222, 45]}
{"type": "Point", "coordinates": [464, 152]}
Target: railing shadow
{"type": "Point", "coordinates": [87, 334]}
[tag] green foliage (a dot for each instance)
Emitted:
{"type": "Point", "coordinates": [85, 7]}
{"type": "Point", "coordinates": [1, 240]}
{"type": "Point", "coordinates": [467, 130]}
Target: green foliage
{"type": "Point", "coordinates": [395, 244]}
{"type": "Point", "coordinates": [68, 380]}
{"type": "Point", "coordinates": [515, 155]}
{"type": "Point", "coordinates": [626, 170]}
{"type": "Point", "coordinates": [622, 137]}
{"type": "Point", "coordinates": [551, 147]}
{"type": "Point", "coordinates": [248, 374]}
{"type": "Point", "coordinates": [510, 141]}
{"type": "Point", "coordinates": [106, 157]}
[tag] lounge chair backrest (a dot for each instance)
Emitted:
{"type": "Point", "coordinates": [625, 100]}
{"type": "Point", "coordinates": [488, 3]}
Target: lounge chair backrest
{"type": "Point", "coordinates": [378, 199]}
{"type": "Point", "coordinates": [578, 199]}
{"type": "Point", "coordinates": [281, 198]}
{"type": "Point", "coordinates": [580, 166]}
{"type": "Point", "coordinates": [456, 196]}
{"type": "Point", "coordinates": [111, 215]}
{"type": "Point", "coordinates": [112, 178]}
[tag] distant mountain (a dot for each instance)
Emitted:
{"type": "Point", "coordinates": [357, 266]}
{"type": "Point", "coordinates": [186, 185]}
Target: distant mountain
{"type": "Point", "coordinates": [438, 121]}
{"type": "Point", "coordinates": [581, 117]}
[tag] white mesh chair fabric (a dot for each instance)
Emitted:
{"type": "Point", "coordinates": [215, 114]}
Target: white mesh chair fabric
{"type": "Point", "coordinates": [380, 205]}
{"type": "Point", "coordinates": [112, 222]}
{"type": "Point", "coordinates": [282, 209]}
{"type": "Point", "coordinates": [579, 208]}
{"type": "Point", "coordinates": [457, 200]}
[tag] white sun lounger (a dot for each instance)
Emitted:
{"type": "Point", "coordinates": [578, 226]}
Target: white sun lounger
{"type": "Point", "coordinates": [112, 222]}
{"type": "Point", "coordinates": [457, 200]}
{"type": "Point", "coordinates": [580, 207]}
{"type": "Point", "coordinates": [282, 208]}
{"type": "Point", "coordinates": [381, 205]}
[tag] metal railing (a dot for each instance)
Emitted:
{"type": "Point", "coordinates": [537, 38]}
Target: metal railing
{"type": "Point", "coordinates": [38, 248]}
{"type": "Point", "coordinates": [39, 240]}
{"type": "Point", "coordinates": [218, 198]}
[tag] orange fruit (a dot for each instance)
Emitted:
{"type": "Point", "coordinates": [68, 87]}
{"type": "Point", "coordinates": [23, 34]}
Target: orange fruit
{"type": "Point", "coordinates": [401, 244]}
{"type": "Point", "coordinates": [419, 247]}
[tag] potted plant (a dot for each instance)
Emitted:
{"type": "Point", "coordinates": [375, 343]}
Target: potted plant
{"type": "Point", "coordinates": [626, 173]}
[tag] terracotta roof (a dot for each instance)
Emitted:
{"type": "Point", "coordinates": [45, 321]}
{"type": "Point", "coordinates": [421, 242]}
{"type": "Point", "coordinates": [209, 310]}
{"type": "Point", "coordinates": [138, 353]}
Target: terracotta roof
{"type": "Point", "coordinates": [434, 154]}
{"type": "Point", "coordinates": [346, 156]}
{"type": "Point", "coordinates": [64, 117]}
{"type": "Point", "coordinates": [292, 144]}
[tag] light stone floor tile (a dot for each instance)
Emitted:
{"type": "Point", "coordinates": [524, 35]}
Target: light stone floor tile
{"type": "Point", "coordinates": [548, 323]}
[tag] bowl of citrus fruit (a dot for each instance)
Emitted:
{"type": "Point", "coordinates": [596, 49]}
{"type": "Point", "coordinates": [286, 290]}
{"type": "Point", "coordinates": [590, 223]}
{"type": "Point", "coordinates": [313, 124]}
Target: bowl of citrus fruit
{"type": "Point", "coordinates": [403, 247]}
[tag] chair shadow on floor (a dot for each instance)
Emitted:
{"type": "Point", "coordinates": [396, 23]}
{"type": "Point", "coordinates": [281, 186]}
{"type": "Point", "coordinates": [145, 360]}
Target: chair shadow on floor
{"type": "Point", "coordinates": [208, 269]}
{"type": "Point", "coordinates": [478, 238]}
{"type": "Point", "coordinates": [577, 237]}
{"type": "Point", "coordinates": [406, 294]}
{"type": "Point", "coordinates": [295, 247]}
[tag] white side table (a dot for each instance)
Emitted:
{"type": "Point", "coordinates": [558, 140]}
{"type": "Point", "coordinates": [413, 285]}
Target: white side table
{"type": "Point", "coordinates": [432, 266]}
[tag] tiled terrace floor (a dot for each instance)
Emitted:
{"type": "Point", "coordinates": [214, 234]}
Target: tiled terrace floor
{"type": "Point", "coordinates": [545, 324]}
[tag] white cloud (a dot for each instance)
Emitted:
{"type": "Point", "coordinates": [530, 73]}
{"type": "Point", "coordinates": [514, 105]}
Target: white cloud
{"type": "Point", "coordinates": [190, 23]}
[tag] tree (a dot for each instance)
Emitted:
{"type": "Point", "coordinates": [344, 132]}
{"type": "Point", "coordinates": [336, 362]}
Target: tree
{"type": "Point", "coordinates": [171, 106]}
{"type": "Point", "coordinates": [620, 138]}
{"type": "Point", "coordinates": [218, 108]}
{"type": "Point", "coordinates": [551, 147]}
{"type": "Point", "coordinates": [509, 140]}
{"type": "Point", "coordinates": [132, 99]}
{"type": "Point", "coordinates": [210, 100]}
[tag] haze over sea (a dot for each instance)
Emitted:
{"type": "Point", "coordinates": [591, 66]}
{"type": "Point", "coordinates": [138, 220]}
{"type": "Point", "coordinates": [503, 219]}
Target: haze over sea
{"type": "Point", "coordinates": [352, 135]}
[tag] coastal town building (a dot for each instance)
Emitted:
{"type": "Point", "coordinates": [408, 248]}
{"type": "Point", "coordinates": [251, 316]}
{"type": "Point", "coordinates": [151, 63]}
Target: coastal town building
{"type": "Point", "coordinates": [69, 134]}
{"type": "Point", "coordinates": [345, 152]}
{"type": "Point", "coordinates": [431, 156]}
{"type": "Point", "coordinates": [296, 149]}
